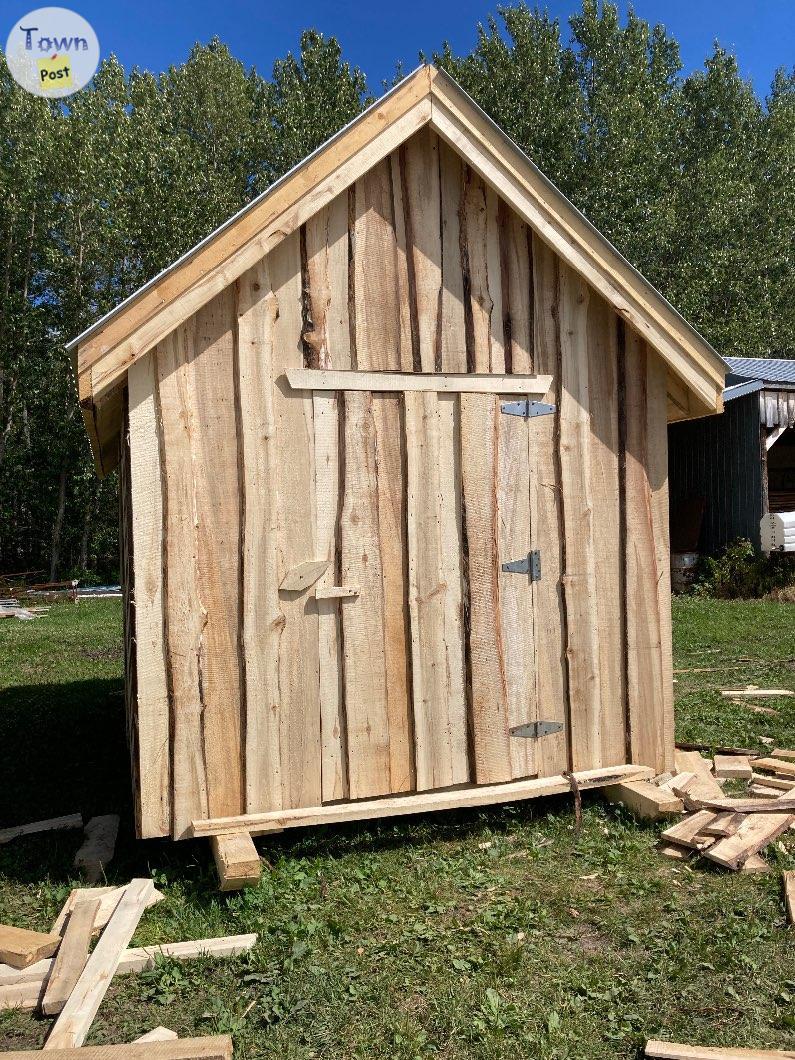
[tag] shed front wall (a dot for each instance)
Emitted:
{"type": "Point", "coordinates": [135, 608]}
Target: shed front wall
{"type": "Point", "coordinates": [250, 698]}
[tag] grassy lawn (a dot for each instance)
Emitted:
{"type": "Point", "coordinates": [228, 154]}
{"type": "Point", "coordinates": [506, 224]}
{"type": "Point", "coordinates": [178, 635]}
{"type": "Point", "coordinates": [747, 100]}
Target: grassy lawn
{"type": "Point", "coordinates": [480, 934]}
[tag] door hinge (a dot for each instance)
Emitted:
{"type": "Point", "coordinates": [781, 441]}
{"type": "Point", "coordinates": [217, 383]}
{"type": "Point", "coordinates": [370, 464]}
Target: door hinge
{"type": "Point", "coordinates": [534, 729]}
{"type": "Point", "coordinates": [530, 564]}
{"type": "Point", "coordinates": [527, 408]}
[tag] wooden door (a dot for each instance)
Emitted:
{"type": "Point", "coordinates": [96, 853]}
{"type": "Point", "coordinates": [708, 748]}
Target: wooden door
{"type": "Point", "coordinates": [426, 643]}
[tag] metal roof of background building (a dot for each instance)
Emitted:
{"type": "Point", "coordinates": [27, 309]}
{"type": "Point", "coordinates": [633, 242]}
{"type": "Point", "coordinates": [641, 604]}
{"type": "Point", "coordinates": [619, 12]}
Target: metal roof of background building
{"type": "Point", "coordinates": [766, 369]}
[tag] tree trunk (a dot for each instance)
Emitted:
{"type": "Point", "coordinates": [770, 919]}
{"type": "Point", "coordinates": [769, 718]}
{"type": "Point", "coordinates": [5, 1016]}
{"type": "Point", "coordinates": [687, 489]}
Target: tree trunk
{"type": "Point", "coordinates": [57, 526]}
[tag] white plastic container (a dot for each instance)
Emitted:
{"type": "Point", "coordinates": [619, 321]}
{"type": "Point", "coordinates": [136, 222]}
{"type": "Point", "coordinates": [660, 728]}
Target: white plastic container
{"type": "Point", "coordinates": [778, 532]}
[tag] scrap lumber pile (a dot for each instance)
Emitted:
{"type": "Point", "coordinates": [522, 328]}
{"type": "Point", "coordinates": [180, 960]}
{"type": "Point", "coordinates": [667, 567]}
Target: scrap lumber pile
{"type": "Point", "coordinates": [730, 832]}
{"type": "Point", "coordinates": [11, 608]}
{"type": "Point", "coordinates": [59, 974]}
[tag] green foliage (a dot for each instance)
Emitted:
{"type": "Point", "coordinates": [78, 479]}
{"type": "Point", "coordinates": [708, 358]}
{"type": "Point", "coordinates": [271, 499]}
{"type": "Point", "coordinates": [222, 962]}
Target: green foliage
{"type": "Point", "coordinates": [472, 935]}
{"type": "Point", "coordinates": [741, 573]}
{"type": "Point", "coordinates": [693, 179]}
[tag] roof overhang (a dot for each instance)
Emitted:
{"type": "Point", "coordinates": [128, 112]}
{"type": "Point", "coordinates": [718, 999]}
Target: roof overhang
{"type": "Point", "coordinates": [430, 97]}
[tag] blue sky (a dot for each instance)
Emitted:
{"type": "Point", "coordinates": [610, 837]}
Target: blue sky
{"type": "Point", "coordinates": [375, 35]}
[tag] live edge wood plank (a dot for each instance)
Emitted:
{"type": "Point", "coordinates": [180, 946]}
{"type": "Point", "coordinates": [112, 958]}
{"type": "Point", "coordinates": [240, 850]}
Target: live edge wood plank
{"type": "Point", "coordinates": [459, 798]}
{"type": "Point", "coordinates": [430, 382]}
{"type": "Point", "coordinates": [77, 1015]}
{"type": "Point", "coordinates": [215, 1048]}
{"type": "Point", "coordinates": [52, 824]}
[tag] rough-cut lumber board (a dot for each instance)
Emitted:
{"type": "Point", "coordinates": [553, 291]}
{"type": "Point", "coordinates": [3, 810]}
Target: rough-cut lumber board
{"type": "Point", "coordinates": [52, 824]}
{"type": "Point", "coordinates": [778, 804]}
{"type": "Point", "coordinates": [546, 492]}
{"type": "Point", "coordinates": [303, 575]}
{"type": "Point", "coordinates": [780, 752]}
{"type": "Point", "coordinates": [158, 1034]}
{"type": "Point", "coordinates": [420, 187]}
{"type": "Point", "coordinates": [489, 659]}
{"type": "Point", "coordinates": [183, 605]}
{"type": "Point", "coordinates": [776, 765]}
{"type": "Point", "coordinates": [217, 506]}
{"type": "Point", "coordinates": [688, 832]}
{"type": "Point", "coordinates": [603, 400]}
{"type": "Point", "coordinates": [517, 298]}
{"type": "Point", "coordinates": [515, 495]}
{"type": "Point", "coordinates": [216, 1048]}
{"type": "Point", "coordinates": [25, 995]}
{"type": "Point", "coordinates": [383, 342]}
{"type": "Point", "coordinates": [579, 572]}
{"type": "Point", "coordinates": [788, 881]}
{"type": "Point", "coordinates": [725, 823]}
{"type": "Point", "coordinates": [733, 766]}
{"type": "Point", "coordinates": [330, 345]}
{"type": "Point", "coordinates": [755, 864]}
{"type": "Point", "coordinates": [480, 250]}
{"type": "Point", "coordinates": [657, 455]}
{"type": "Point", "coordinates": [236, 860]}
{"type": "Point", "coordinates": [756, 831]}
{"type": "Point", "coordinates": [645, 671]}
{"type": "Point", "coordinates": [334, 762]}
{"type": "Point", "coordinates": [424, 802]}
{"type": "Point", "coordinates": [109, 898]}
{"type": "Point", "coordinates": [337, 592]}
{"type": "Point", "coordinates": [645, 799]}
{"type": "Point", "coordinates": [433, 515]}
{"type": "Point", "coordinates": [72, 955]}
{"type": "Point", "coordinates": [262, 619]}
{"type": "Point", "coordinates": [363, 621]}
{"type": "Point", "coordinates": [451, 315]}
{"type": "Point", "coordinates": [299, 665]}
{"type": "Point", "coordinates": [153, 786]}
{"type": "Point", "coordinates": [705, 786]}
{"type": "Point", "coordinates": [20, 947]}
{"type": "Point", "coordinates": [676, 1051]}
{"type": "Point", "coordinates": [673, 851]}
{"type": "Point", "coordinates": [235, 248]}
{"type": "Point", "coordinates": [135, 959]}
{"type": "Point", "coordinates": [98, 847]}
{"type": "Point", "coordinates": [780, 783]}
{"type": "Point", "coordinates": [679, 783]}
{"type": "Point", "coordinates": [533, 386]}
{"type": "Point", "coordinates": [77, 1015]}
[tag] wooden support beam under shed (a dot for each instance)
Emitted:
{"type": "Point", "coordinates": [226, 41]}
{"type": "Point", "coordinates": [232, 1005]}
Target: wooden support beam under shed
{"type": "Point", "coordinates": [237, 860]}
{"type": "Point", "coordinates": [645, 799]}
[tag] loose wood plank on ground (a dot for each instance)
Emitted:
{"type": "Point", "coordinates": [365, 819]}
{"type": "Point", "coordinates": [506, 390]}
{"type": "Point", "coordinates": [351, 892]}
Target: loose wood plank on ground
{"type": "Point", "coordinates": [72, 956]}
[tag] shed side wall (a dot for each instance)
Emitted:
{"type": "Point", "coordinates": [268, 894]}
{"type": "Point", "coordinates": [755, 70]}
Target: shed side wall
{"type": "Point", "coordinates": [420, 267]}
{"type": "Point", "coordinates": [719, 460]}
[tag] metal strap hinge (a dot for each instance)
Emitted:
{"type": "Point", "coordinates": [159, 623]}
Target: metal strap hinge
{"type": "Point", "coordinates": [527, 408]}
{"type": "Point", "coordinates": [530, 564]}
{"type": "Point", "coordinates": [534, 729]}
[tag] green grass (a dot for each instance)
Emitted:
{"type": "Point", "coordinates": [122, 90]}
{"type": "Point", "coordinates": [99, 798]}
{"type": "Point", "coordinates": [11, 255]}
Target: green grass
{"type": "Point", "coordinates": [481, 934]}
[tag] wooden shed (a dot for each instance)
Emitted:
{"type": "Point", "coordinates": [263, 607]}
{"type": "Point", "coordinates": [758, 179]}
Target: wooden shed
{"type": "Point", "coordinates": [733, 476]}
{"type": "Point", "coordinates": [392, 446]}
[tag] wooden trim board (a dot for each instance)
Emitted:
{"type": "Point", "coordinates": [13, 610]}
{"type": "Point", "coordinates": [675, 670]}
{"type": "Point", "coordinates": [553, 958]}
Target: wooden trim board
{"type": "Point", "coordinates": [428, 382]}
{"type": "Point", "coordinates": [425, 802]}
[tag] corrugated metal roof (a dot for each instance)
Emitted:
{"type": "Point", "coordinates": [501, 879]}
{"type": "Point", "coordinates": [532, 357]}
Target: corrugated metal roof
{"type": "Point", "coordinates": [767, 369]}
{"type": "Point", "coordinates": [750, 386]}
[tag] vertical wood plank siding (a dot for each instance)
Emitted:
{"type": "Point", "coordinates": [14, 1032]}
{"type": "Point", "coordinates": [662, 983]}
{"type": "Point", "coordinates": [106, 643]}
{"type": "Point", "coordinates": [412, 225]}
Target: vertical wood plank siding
{"type": "Point", "coordinates": [265, 699]}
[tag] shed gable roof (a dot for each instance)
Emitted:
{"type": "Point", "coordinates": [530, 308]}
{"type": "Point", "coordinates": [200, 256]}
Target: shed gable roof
{"type": "Point", "coordinates": [104, 352]}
